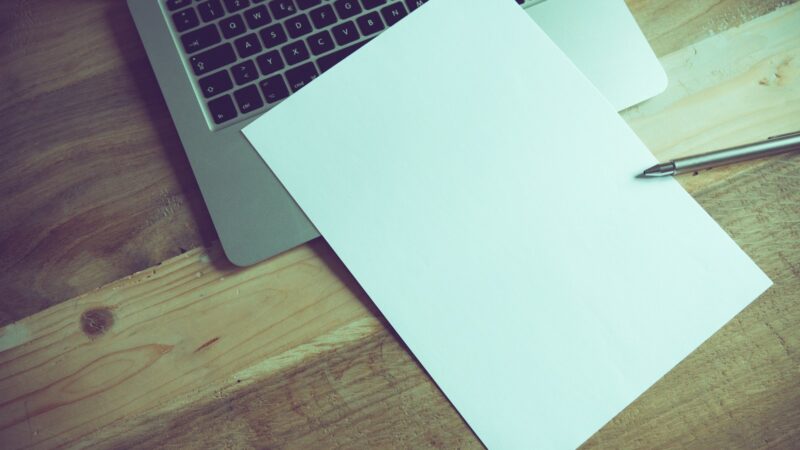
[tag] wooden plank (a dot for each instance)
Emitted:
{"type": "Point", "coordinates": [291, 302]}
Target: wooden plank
{"type": "Point", "coordinates": [673, 25]}
{"type": "Point", "coordinates": [174, 332]}
{"type": "Point", "coordinates": [95, 184]}
{"type": "Point", "coordinates": [290, 353]}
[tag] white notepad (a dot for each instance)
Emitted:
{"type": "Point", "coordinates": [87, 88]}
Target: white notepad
{"type": "Point", "coordinates": [482, 192]}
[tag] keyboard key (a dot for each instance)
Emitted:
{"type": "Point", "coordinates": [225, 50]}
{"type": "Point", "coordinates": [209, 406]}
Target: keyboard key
{"type": "Point", "coordinates": [270, 62]}
{"type": "Point", "coordinates": [172, 5]}
{"type": "Point", "coordinates": [331, 59]}
{"type": "Point", "coordinates": [222, 109]}
{"type": "Point", "coordinates": [248, 99]}
{"type": "Point", "coordinates": [247, 45]}
{"type": "Point", "coordinates": [369, 4]}
{"type": "Point", "coordinates": [414, 4]}
{"type": "Point", "coordinates": [273, 35]}
{"type": "Point", "coordinates": [257, 17]}
{"type": "Point", "coordinates": [393, 13]}
{"type": "Point", "coordinates": [301, 76]}
{"type": "Point", "coordinates": [305, 4]}
{"type": "Point", "coordinates": [232, 26]}
{"type": "Point", "coordinates": [323, 16]}
{"type": "Point", "coordinates": [320, 42]}
{"type": "Point", "coordinates": [236, 5]}
{"type": "Point", "coordinates": [347, 8]}
{"type": "Point", "coordinates": [200, 38]}
{"type": "Point", "coordinates": [215, 84]}
{"type": "Point", "coordinates": [298, 26]}
{"type": "Point", "coordinates": [185, 19]}
{"type": "Point", "coordinates": [370, 23]}
{"type": "Point", "coordinates": [212, 59]}
{"type": "Point", "coordinates": [281, 8]}
{"type": "Point", "coordinates": [295, 52]}
{"type": "Point", "coordinates": [211, 10]}
{"type": "Point", "coordinates": [345, 33]}
{"type": "Point", "coordinates": [244, 72]}
{"type": "Point", "coordinates": [274, 89]}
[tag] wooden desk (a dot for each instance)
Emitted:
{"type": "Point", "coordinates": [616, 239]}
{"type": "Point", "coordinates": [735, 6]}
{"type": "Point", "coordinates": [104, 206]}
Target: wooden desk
{"type": "Point", "coordinates": [186, 350]}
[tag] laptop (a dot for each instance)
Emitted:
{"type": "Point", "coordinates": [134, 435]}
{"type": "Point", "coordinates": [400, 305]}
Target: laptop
{"type": "Point", "coordinates": [222, 63]}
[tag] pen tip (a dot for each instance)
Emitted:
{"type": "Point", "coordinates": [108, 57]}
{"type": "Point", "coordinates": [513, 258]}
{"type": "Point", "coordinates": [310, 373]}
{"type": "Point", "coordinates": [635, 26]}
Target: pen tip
{"type": "Point", "coordinates": [659, 170]}
{"type": "Point", "coordinates": [650, 171]}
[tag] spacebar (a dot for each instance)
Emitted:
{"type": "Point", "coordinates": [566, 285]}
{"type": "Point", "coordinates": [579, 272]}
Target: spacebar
{"type": "Point", "coordinates": [331, 59]}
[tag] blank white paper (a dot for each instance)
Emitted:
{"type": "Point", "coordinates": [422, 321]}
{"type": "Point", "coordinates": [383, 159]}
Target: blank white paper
{"type": "Point", "coordinates": [482, 192]}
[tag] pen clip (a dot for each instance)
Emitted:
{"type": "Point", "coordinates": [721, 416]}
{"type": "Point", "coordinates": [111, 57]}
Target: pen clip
{"type": "Point", "coordinates": [785, 135]}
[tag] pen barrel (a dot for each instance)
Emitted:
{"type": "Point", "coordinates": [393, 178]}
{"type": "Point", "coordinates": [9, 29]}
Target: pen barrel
{"type": "Point", "coordinates": [770, 147]}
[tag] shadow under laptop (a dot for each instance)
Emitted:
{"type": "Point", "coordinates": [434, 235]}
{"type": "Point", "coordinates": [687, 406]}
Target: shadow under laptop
{"type": "Point", "coordinates": [137, 66]}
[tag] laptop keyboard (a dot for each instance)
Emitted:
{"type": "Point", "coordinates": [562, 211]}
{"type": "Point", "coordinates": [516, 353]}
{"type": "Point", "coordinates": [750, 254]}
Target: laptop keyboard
{"type": "Point", "coordinates": [245, 56]}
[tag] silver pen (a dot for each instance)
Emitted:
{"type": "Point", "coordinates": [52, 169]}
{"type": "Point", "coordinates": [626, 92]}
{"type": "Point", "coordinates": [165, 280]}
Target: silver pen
{"type": "Point", "coordinates": [772, 146]}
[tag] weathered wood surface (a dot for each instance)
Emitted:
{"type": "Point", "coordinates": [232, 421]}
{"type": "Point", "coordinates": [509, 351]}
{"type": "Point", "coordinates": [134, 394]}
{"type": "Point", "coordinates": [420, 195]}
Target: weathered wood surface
{"type": "Point", "coordinates": [290, 353]}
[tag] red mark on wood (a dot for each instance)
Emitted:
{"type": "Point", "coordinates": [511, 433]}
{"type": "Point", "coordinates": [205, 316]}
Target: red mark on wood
{"type": "Point", "coordinates": [209, 343]}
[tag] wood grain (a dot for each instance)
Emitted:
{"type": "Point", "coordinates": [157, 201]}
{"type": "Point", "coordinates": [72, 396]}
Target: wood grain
{"type": "Point", "coordinates": [291, 354]}
{"type": "Point", "coordinates": [673, 25]}
{"type": "Point", "coordinates": [95, 184]}
{"type": "Point", "coordinates": [176, 328]}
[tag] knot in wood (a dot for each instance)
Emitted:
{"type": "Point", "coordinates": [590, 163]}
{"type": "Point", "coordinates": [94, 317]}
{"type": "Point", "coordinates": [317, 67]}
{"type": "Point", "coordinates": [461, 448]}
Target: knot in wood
{"type": "Point", "coordinates": [95, 322]}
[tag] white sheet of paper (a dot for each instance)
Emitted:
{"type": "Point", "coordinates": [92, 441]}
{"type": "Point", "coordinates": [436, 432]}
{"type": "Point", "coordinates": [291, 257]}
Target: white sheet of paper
{"type": "Point", "coordinates": [482, 192]}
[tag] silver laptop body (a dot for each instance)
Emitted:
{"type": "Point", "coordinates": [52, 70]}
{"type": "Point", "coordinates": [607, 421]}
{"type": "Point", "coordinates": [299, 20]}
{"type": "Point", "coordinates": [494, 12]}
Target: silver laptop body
{"type": "Point", "coordinates": [254, 216]}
